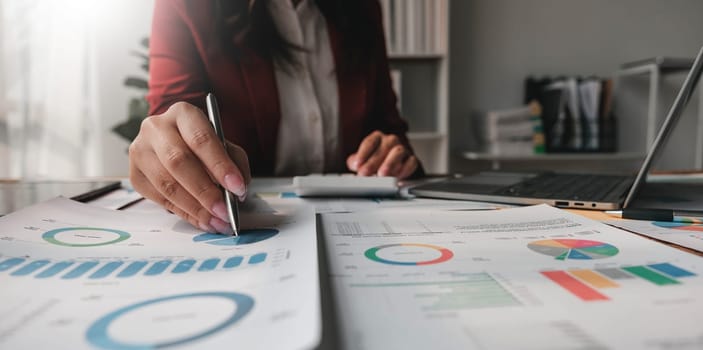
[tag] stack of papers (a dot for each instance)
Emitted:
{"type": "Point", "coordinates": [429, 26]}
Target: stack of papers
{"type": "Point", "coordinates": [525, 278]}
{"type": "Point", "coordinates": [75, 276]}
{"type": "Point", "coordinates": [405, 275]}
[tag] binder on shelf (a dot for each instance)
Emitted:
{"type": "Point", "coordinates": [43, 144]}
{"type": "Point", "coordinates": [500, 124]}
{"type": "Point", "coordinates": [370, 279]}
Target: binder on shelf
{"type": "Point", "coordinates": [607, 127]}
{"type": "Point", "coordinates": [514, 132]}
{"type": "Point", "coordinates": [589, 94]}
{"type": "Point", "coordinates": [576, 113]}
{"type": "Point", "coordinates": [415, 27]}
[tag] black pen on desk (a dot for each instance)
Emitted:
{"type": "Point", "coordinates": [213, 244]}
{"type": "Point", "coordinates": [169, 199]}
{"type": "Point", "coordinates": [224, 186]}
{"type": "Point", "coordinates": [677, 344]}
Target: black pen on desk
{"type": "Point", "coordinates": [684, 216]}
{"type": "Point", "coordinates": [213, 114]}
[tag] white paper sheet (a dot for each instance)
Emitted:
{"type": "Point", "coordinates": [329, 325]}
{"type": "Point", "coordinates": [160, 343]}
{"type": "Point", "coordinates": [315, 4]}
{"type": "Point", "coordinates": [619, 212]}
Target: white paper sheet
{"type": "Point", "coordinates": [684, 234]}
{"type": "Point", "coordinates": [75, 276]}
{"type": "Point", "coordinates": [525, 278]}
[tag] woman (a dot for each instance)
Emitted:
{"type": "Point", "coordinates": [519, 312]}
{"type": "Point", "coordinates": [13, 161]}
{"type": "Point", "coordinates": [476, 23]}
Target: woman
{"type": "Point", "coordinates": [303, 86]}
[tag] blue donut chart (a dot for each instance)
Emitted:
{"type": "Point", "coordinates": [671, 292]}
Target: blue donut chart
{"type": "Point", "coordinates": [97, 334]}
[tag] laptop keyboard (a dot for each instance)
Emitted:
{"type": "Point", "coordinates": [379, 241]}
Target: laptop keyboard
{"type": "Point", "coordinates": [568, 187]}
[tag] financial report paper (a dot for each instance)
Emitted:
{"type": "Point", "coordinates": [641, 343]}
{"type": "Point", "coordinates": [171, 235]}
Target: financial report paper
{"type": "Point", "coordinates": [525, 278]}
{"type": "Point", "coordinates": [685, 234]}
{"type": "Point", "coordinates": [75, 276]}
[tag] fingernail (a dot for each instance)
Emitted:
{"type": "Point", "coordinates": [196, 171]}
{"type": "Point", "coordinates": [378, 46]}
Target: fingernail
{"type": "Point", "coordinates": [355, 165]}
{"type": "Point", "coordinates": [235, 184]}
{"type": "Point", "coordinates": [206, 227]}
{"type": "Point", "coordinates": [220, 226]}
{"type": "Point", "coordinates": [220, 210]}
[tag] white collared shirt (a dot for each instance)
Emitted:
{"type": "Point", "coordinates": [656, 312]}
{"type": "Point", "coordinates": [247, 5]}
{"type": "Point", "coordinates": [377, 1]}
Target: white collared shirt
{"type": "Point", "coordinates": [308, 134]}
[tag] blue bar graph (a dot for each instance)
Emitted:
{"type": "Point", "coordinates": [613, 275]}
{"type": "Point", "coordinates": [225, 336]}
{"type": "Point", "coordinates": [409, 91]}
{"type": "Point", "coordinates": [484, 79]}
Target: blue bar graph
{"type": "Point", "coordinates": [157, 268]}
{"type": "Point", "coordinates": [30, 268]}
{"type": "Point", "coordinates": [257, 258]}
{"type": "Point", "coordinates": [106, 270]}
{"type": "Point", "coordinates": [132, 269]}
{"type": "Point", "coordinates": [46, 269]}
{"type": "Point", "coordinates": [54, 269]}
{"type": "Point", "coordinates": [184, 266]}
{"type": "Point", "coordinates": [233, 262]}
{"type": "Point", "coordinates": [80, 270]}
{"type": "Point", "coordinates": [10, 263]}
{"type": "Point", "coordinates": [671, 270]}
{"type": "Point", "coordinates": [209, 264]}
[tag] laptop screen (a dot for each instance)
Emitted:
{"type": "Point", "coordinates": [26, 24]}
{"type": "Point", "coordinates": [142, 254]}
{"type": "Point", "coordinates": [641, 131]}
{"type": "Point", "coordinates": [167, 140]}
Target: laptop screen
{"type": "Point", "coordinates": [671, 119]}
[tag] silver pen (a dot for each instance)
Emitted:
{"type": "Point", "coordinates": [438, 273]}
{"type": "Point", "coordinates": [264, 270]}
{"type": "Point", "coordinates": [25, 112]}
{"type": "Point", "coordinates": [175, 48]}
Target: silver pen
{"type": "Point", "coordinates": [213, 114]}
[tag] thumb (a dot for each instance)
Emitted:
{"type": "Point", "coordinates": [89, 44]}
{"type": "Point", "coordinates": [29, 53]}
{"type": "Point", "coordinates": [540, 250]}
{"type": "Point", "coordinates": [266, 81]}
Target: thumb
{"type": "Point", "coordinates": [240, 158]}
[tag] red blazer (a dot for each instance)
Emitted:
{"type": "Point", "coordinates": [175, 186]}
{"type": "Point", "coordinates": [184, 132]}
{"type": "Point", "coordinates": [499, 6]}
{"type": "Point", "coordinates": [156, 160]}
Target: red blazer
{"type": "Point", "coordinates": [187, 62]}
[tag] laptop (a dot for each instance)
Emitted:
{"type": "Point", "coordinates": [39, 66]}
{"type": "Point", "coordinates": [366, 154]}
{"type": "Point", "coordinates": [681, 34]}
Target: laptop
{"type": "Point", "coordinates": [565, 190]}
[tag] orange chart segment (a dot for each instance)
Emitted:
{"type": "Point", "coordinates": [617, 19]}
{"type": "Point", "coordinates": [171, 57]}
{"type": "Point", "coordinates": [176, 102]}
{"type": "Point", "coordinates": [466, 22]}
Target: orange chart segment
{"type": "Point", "coordinates": [594, 279]}
{"type": "Point", "coordinates": [578, 243]}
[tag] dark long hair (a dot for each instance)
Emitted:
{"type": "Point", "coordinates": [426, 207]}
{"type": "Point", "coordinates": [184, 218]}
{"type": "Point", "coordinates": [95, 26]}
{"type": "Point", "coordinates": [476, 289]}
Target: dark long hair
{"type": "Point", "coordinates": [249, 23]}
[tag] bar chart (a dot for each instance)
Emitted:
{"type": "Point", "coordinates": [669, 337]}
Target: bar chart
{"type": "Point", "coordinates": [99, 269]}
{"type": "Point", "coordinates": [586, 284]}
{"type": "Point", "coordinates": [462, 291]}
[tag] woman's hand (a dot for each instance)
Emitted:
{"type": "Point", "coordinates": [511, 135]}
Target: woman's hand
{"type": "Point", "coordinates": [176, 160]}
{"type": "Point", "coordinates": [383, 155]}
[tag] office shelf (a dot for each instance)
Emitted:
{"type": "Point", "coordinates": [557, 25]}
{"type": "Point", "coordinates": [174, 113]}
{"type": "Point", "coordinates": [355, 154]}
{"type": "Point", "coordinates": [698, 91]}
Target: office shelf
{"type": "Point", "coordinates": [417, 36]}
{"type": "Point", "coordinates": [416, 56]}
{"type": "Point", "coordinates": [654, 72]}
{"type": "Point", "coordinates": [427, 135]}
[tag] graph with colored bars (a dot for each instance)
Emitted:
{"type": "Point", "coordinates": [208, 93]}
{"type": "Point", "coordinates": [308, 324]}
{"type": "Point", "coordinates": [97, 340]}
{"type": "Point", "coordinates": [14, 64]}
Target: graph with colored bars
{"type": "Point", "coordinates": [67, 270]}
{"type": "Point", "coordinates": [586, 284]}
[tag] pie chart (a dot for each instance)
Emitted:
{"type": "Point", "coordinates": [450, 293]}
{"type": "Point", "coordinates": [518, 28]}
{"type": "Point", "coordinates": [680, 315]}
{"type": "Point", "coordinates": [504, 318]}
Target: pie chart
{"type": "Point", "coordinates": [679, 226]}
{"type": "Point", "coordinates": [573, 249]}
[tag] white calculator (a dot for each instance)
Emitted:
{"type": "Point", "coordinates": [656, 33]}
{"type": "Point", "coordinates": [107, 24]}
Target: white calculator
{"type": "Point", "coordinates": [345, 185]}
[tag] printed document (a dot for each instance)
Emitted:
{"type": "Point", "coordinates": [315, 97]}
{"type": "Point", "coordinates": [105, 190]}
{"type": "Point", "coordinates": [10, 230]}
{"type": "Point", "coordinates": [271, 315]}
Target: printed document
{"type": "Point", "coordinates": [525, 278]}
{"type": "Point", "coordinates": [75, 276]}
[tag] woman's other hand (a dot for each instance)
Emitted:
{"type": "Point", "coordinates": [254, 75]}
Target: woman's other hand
{"type": "Point", "coordinates": [176, 161]}
{"type": "Point", "coordinates": [383, 155]}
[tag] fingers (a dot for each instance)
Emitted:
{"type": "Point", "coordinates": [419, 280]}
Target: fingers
{"type": "Point", "coordinates": [374, 161]}
{"type": "Point", "coordinates": [383, 155]}
{"type": "Point", "coordinates": [366, 149]}
{"type": "Point", "coordinates": [187, 170]}
{"type": "Point", "coordinates": [408, 168]}
{"type": "Point", "coordinates": [240, 158]}
{"type": "Point", "coordinates": [399, 163]}
{"type": "Point", "coordinates": [199, 135]}
{"type": "Point", "coordinates": [155, 182]}
{"type": "Point", "coordinates": [176, 160]}
{"type": "Point", "coordinates": [394, 161]}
